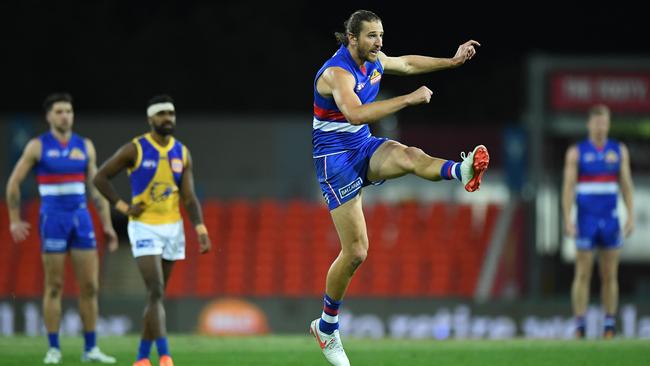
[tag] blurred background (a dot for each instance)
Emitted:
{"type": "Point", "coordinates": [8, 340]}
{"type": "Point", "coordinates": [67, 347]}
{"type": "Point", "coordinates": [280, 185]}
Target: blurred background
{"type": "Point", "coordinates": [442, 263]}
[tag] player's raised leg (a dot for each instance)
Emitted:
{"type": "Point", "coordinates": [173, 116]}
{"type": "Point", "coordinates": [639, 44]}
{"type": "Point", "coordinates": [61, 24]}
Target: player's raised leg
{"type": "Point", "coordinates": [608, 265]}
{"type": "Point", "coordinates": [392, 160]}
{"type": "Point", "coordinates": [580, 288]}
{"type": "Point", "coordinates": [53, 265]}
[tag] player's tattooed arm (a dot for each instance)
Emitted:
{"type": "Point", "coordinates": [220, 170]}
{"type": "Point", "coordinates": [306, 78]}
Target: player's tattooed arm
{"type": "Point", "coordinates": [13, 200]}
{"type": "Point", "coordinates": [99, 201]}
{"type": "Point", "coordinates": [192, 205]}
{"type": "Point", "coordinates": [32, 153]}
{"type": "Point", "coordinates": [101, 205]}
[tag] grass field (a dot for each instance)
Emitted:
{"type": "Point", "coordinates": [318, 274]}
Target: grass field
{"type": "Point", "coordinates": [302, 350]}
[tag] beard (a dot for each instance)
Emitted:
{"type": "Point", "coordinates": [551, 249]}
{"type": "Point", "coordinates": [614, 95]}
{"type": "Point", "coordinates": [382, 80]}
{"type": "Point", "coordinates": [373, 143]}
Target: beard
{"type": "Point", "coordinates": [63, 127]}
{"type": "Point", "coordinates": [164, 129]}
{"type": "Point", "coordinates": [367, 56]}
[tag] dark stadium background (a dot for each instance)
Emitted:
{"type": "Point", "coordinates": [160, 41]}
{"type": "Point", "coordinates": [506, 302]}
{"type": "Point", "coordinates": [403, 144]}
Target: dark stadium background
{"type": "Point", "coordinates": [241, 74]}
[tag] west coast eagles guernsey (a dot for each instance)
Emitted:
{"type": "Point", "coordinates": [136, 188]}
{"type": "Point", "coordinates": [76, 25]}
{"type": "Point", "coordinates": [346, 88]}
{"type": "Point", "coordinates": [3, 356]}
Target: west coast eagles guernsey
{"type": "Point", "coordinates": [156, 178]}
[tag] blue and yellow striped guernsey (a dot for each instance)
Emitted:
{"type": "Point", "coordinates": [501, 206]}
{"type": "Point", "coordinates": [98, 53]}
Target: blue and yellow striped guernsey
{"type": "Point", "coordinates": [155, 179]}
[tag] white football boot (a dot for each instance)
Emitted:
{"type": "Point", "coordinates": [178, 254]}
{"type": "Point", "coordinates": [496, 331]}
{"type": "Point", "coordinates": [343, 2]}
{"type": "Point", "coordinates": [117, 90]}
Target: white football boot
{"type": "Point", "coordinates": [330, 344]}
{"type": "Point", "coordinates": [53, 356]}
{"type": "Point", "coordinates": [96, 355]}
{"type": "Point", "coordinates": [473, 166]}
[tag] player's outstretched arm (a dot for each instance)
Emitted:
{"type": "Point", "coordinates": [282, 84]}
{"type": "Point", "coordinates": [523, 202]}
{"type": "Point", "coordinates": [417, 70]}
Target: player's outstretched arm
{"type": "Point", "coordinates": [340, 84]}
{"type": "Point", "coordinates": [20, 229]}
{"type": "Point", "coordinates": [192, 205]}
{"type": "Point", "coordinates": [124, 157]}
{"type": "Point", "coordinates": [414, 64]}
{"type": "Point", "coordinates": [101, 204]}
{"type": "Point", "coordinates": [569, 189]}
{"type": "Point", "coordinates": [627, 189]}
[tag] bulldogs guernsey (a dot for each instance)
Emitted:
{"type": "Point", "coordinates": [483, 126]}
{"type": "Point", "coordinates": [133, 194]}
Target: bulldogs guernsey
{"type": "Point", "coordinates": [597, 194]}
{"type": "Point", "coordinates": [65, 222]}
{"type": "Point", "coordinates": [332, 133]}
{"type": "Point", "coordinates": [342, 151]}
{"type": "Point", "coordinates": [61, 173]}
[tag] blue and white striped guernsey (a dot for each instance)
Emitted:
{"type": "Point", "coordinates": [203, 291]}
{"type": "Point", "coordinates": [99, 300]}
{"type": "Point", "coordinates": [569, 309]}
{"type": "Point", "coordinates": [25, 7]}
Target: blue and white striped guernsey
{"type": "Point", "coordinates": [598, 175]}
{"type": "Point", "coordinates": [332, 133]}
{"type": "Point", "coordinates": [61, 173]}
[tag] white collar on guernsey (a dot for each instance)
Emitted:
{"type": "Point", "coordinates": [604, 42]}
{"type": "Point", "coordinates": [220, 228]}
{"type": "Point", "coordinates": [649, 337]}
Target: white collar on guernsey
{"type": "Point", "coordinates": [159, 107]}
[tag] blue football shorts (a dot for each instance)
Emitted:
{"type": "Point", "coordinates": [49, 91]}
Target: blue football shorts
{"type": "Point", "coordinates": [596, 231]}
{"type": "Point", "coordinates": [342, 175]}
{"type": "Point", "coordinates": [64, 230]}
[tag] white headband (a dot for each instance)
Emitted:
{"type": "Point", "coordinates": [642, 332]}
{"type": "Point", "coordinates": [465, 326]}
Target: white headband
{"type": "Point", "coordinates": [159, 107]}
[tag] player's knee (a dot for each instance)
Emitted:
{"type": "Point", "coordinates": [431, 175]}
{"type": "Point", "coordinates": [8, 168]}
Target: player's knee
{"type": "Point", "coordinates": [583, 277]}
{"type": "Point", "coordinates": [156, 292]}
{"type": "Point", "coordinates": [88, 290]}
{"type": "Point", "coordinates": [609, 277]}
{"type": "Point", "coordinates": [357, 257]}
{"type": "Point", "coordinates": [53, 289]}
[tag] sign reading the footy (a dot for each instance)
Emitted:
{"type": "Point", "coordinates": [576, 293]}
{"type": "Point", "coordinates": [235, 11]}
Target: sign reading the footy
{"type": "Point", "coordinates": [626, 92]}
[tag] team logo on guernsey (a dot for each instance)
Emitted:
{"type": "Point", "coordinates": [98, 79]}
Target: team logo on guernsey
{"type": "Point", "coordinates": [350, 188]}
{"type": "Point", "coordinates": [375, 77]}
{"type": "Point", "coordinates": [177, 165]}
{"type": "Point", "coordinates": [611, 157]}
{"type": "Point", "coordinates": [77, 154]}
{"type": "Point", "coordinates": [161, 191]}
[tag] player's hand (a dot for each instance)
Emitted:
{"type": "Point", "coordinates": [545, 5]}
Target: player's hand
{"type": "Point", "coordinates": [629, 227]}
{"type": "Point", "coordinates": [19, 230]}
{"type": "Point", "coordinates": [420, 96]}
{"type": "Point", "coordinates": [570, 229]}
{"type": "Point", "coordinates": [111, 238]}
{"type": "Point", "coordinates": [135, 210]}
{"type": "Point", "coordinates": [204, 243]}
{"type": "Point", "coordinates": [465, 51]}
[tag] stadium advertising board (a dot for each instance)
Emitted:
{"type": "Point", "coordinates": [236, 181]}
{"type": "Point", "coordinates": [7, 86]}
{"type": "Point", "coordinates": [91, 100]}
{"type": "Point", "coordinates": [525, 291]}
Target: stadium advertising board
{"type": "Point", "coordinates": [623, 92]}
{"type": "Point", "coordinates": [366, 318]}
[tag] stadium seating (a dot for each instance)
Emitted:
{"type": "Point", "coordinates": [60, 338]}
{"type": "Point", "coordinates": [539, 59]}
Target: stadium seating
{"type": "Point", "coordinates": [270, 248]}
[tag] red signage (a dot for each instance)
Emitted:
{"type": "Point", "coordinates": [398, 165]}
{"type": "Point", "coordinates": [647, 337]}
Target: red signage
{"type": "Point", "coordinates": [622, 91]}
{"type": "Point", "coordinates": [232, 317]}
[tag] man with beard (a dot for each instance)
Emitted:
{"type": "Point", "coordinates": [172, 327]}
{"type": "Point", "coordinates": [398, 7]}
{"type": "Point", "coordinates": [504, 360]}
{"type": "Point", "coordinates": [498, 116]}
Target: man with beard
{"type": "Point", "coordinates": [160, 172]}
{"type": "Point", "coordinates": [347, 157]}
{"type": "Point", "coordinates": [64, 163]}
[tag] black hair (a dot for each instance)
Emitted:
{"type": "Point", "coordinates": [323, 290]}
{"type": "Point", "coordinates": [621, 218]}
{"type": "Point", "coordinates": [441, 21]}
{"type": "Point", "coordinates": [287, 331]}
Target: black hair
{"type": "Point", "coordinates": [55, 98]}
{"type": "Point", "coordinates": [598, 110]}
{"type": "Point", "coordinates": [354, 23]}
{"type": "Point", "coordinates": [163, 98]}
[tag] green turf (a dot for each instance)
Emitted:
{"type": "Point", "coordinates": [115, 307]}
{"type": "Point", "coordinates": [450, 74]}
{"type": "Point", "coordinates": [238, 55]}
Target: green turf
{"type": "Point", "coordinates": [303, 350]}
